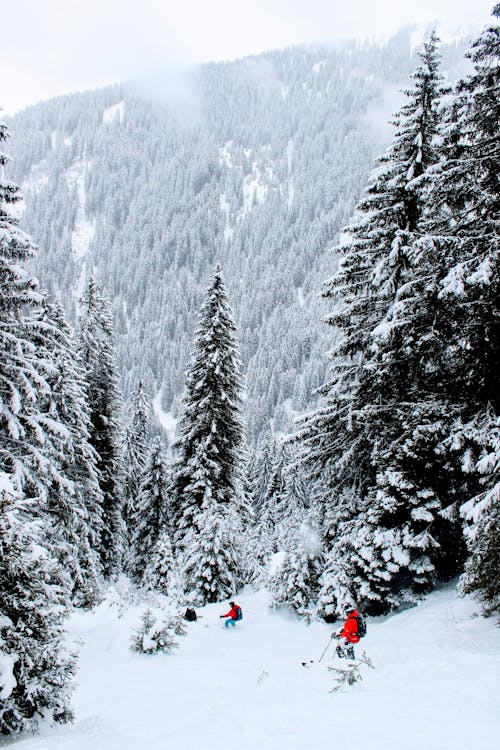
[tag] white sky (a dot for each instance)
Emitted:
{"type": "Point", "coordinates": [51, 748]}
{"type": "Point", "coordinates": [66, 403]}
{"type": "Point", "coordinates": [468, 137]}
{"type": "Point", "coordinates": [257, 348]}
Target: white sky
{"type": "Point", "coordinates": [52, 47]}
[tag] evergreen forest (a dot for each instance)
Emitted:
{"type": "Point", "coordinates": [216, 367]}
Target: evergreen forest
{"type": "Point", "coordinates": [249, 336]}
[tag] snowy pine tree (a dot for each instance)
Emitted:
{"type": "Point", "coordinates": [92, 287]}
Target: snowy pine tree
{"type": "Point", "coordinates": [208, 470]}
{"type": "Point", "coordinates": [260, 471]}
{"type": "Point", "coordinates": [246, 515]}
{"type": "Point", "coordinates": [161, 573]}
{"type": "Point", "coordinates": [135, 451]}
{"type": "Point", "coordinates": [295, 583]}
{"type": "Point", "coordinates": [337, 580]}
{"type": "Point", "coordinates": [374, 259]}
{"type": "Point", "coordinates": [362, 437]}
{"type": "Point", "coordinates": [482, 512]}
{"type": "Point", "coordinates": [75, 510]}
{"type": "Point", "coordinates": [157, 633]}
{"type": "Point", "coordinates": [462, 229]}
{"type": "Point", "coordinates": [31, 439]}
{"type": "Point", "coordinates": [33, 593]}
{"type": "Point", "coordinates": [95, 342]}
{"type": "Point", "coordinates": [271, 515]}
{"type": "Point", "coordinates": [293, 502]}
{"type": "Point", "coordinates": [36, 668]}
{"type": "Point", "coordinates": [212, 557]}
{"type": "Point", "coordinates": [265, 541]}
{"type": "Point", "coordinates": [151, 514]}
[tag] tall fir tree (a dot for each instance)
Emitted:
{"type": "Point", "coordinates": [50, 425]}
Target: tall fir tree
{"type": "Point", "coordinates": [362, 436]}
{"type": "Point", "coordinates": [31, 439]}
{"type": "Point", "coordinates": [462, 229]}
{"type": "Point", "coordinates": [151, 513]}
{"type": "Point", "coordinates": [135, 451]}
{"type": "Point", "coordinates": [75, 511]}
{"type": "Point", "coordinates": [161, 573]}
{"type": "Point", "coordinates": [246, 513]}
{"type": "Point", "coordinates": [337, 581]}
{"type": "Point", "coordinates": [208, 471]}
{"type": "Point", "coordinates": [95, 343]}
{"type": "Point", "coordinates": [270, 515]}
{"type": "Point", "coordinates": [292, 503]}
{"type": "Point", "coordinates": [260, 471]}
{"type": "Point", "coordinates": [374, 260]}
{"type": "Point", "coordinates": [264, 535]}
{"type": "Point", "coordinates": [33, 597]}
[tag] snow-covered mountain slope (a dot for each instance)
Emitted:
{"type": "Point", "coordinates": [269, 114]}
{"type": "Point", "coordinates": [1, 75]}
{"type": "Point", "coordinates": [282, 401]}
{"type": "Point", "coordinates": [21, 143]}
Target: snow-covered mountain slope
{"type": "Point", "coordinates": [259, 172]}
{"type": "Point", "coordinates": [435, 685]}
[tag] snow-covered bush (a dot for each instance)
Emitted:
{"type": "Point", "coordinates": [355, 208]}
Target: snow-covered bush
{"type": "Point", "coordinates": [295, 582]}
{"type": "Point", "coordinates": [157, 634]}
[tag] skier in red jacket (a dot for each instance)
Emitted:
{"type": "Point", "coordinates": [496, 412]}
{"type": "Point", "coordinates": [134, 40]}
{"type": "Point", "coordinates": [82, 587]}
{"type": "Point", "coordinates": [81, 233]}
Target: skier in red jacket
{"type": "Point", "coordinates": [231, 616]}
{"type": "Point", "coordinates": [349, 633]}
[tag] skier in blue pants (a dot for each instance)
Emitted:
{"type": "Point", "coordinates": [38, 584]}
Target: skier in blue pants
{"type": "Point", "coordinates": [231, 616]}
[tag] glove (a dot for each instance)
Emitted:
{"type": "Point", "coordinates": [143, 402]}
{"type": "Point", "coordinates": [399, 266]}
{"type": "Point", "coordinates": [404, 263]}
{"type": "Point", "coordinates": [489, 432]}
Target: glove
{"type": "Point", "coordinates": [335, 635]}
{"type": "Point", "coordinates": [221, 617]}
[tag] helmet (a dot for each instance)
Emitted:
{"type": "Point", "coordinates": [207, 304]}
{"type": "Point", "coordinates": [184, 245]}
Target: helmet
{"type": "Point", "coordinates": [348, 608]}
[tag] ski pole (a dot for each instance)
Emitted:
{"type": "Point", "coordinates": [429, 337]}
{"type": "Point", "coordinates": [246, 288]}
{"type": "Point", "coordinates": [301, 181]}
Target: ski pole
{"type": "Point", "coordinates": [311, 661]}
{"type": "Point", "coordinates": [326, 649]}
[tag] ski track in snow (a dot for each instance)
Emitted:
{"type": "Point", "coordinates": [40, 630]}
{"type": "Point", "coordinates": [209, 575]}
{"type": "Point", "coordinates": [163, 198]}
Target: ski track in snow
{"type": "Point", "coordinates": [434, 687]}
{"type": "Point", "coordinates": [166, 419]}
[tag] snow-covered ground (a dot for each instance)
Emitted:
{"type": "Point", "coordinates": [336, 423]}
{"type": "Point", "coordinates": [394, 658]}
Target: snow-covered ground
{"type": "Point", "coordinates": [435, 685]}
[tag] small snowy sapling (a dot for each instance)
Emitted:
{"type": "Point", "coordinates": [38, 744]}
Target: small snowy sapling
{"type": "Point", "coordinates": [157, 635]}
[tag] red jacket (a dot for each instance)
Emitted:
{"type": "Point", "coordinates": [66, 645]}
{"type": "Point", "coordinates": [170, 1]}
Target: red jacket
{"type": "Point", "coordinates": [233, 612]}
{"type": "Point", "coordinates": [350, 629]}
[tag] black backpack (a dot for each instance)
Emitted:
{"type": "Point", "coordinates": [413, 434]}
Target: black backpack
{"type": "Point", "coordinates": [239, 613]}
{"type": "Point", "coordinates": [361, 625]}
